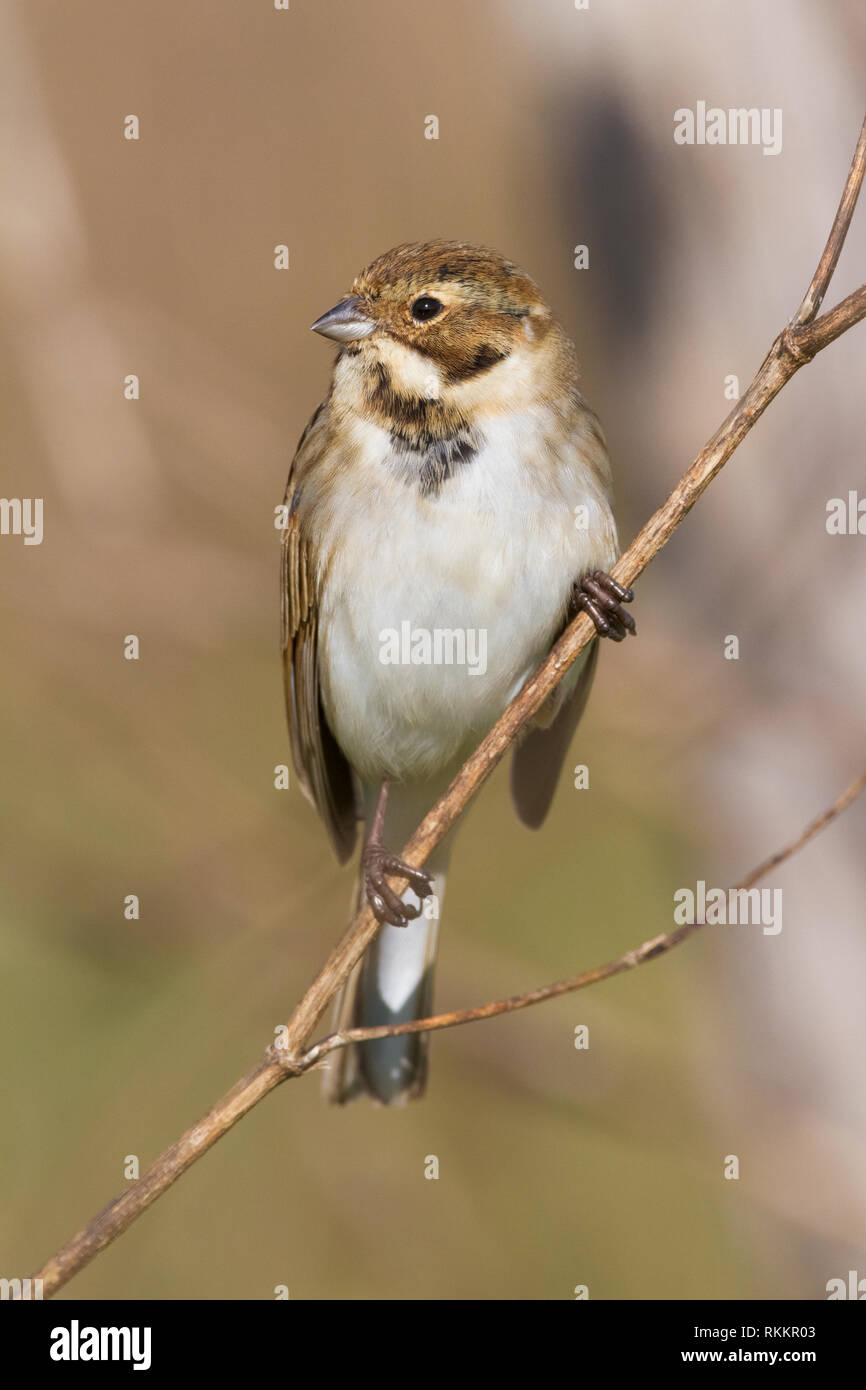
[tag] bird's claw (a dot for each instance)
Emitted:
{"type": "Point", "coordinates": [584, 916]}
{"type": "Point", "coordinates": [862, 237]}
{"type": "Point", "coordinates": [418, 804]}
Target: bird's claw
{"type": "Point", "coordinates": [387, 905]}
{"type": "Point", "coordinates": [602, 598]}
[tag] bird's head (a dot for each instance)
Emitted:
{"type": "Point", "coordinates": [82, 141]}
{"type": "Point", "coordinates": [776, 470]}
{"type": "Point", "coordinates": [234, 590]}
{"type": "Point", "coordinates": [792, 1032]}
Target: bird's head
{"type": "Point", "coordinates": [435, 315]}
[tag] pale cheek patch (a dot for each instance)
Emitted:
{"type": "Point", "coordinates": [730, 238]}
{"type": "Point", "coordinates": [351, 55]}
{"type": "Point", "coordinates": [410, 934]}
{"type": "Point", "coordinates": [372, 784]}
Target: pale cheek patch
{"type": "Point", "coordinates": [412, 373]}
{"type": "Point", "coordinates": [493, 393]}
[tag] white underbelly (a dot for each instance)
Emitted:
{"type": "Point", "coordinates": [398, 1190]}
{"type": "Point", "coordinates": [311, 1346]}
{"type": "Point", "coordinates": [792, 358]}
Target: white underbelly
{"type": "Point", "coordinates": [435, 612]}
{"type": "Point", "coordinates": [421, 656]}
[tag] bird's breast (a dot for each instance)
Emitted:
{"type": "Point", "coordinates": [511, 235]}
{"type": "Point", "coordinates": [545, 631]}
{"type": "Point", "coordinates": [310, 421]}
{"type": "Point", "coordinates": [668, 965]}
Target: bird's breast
{"type": "Point", "coordinates": [436, 603]}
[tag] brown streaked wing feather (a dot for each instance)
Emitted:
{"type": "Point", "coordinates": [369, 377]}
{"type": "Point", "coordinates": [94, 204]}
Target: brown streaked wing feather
{"type": "Point", "coordinates": [323, 771]}
{"type": "Point", "coordinates": [537, 761]}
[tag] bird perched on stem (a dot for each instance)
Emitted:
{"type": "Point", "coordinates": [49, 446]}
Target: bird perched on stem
{"type": "Point", "coordinates": [448, 510]}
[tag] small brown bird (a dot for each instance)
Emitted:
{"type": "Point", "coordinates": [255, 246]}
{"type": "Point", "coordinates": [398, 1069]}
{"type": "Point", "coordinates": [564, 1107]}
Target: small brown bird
{"type": "Point", "coordinates": [448, 511]}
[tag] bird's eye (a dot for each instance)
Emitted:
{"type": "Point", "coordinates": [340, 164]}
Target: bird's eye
{"type": "Point", "coordinates": [425, 308]}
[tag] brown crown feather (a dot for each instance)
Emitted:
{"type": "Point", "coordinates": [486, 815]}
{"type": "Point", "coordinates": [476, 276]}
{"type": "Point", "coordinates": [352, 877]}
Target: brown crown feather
{"type": "Point", "coordinates": [487, 300]}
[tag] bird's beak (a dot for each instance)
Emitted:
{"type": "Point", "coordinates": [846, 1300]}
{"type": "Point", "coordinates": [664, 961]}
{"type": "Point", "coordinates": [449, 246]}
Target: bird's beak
{"type": "Point", "coordinates": [344, 322]}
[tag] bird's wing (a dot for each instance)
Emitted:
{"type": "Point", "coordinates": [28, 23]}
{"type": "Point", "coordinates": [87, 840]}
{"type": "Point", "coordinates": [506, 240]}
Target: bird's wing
{"type": "Point", "coordinates": [321, 767]}
{"type": "Point", "coordinates": [537, 761]}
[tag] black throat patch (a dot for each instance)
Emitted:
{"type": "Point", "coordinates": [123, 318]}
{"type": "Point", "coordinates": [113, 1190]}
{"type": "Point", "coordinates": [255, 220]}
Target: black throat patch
{"type": "Point", "coordinates": [430, 441]}
{"type": "Point", "coordinates": [430, 462]}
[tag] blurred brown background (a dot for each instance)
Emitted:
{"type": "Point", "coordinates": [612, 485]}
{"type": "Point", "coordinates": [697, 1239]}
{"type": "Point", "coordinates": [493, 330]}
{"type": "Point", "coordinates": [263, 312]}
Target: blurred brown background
{"type": "Point", "coordinates": [155, 777]}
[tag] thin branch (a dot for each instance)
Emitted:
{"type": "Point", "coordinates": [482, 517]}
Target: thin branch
{"type": "Point", "coordinates": [797, 343]}
{"type": "Point", "coordinates": [812, 829]}
{"type": "Point", "coordinates": [817, 335]}
{"type": "Point", "coordinates": [814, 295]}
{"type": "Point", "coordinates": [650, 950]}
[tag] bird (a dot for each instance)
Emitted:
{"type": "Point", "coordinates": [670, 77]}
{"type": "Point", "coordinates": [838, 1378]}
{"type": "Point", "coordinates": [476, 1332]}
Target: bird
{"type": "Point", "coordinates": [448, 511]}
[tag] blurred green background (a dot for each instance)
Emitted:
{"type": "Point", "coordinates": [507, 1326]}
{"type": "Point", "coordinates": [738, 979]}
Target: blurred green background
{"type": "Point", "coordinates": [557, 1167]}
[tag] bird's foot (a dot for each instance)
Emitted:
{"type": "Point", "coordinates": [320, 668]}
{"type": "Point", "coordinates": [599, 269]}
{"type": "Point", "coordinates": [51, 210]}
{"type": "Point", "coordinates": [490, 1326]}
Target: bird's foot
{"type": "Point", "coordinates": [387, 905]}
{"type": "Point", "coordinates": [603, 598]}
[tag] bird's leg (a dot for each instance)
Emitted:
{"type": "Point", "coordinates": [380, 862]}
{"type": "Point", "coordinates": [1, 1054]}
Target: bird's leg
{"type": "Point", "coordinates": [377, 862]}
{"type": "Point", "coordinates": [603, 598]}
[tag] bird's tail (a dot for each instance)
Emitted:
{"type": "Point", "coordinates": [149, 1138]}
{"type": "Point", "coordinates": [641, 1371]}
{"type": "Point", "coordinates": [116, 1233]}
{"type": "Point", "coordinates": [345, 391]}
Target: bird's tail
{"type": "Point", "coordinates": [393, 983]}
